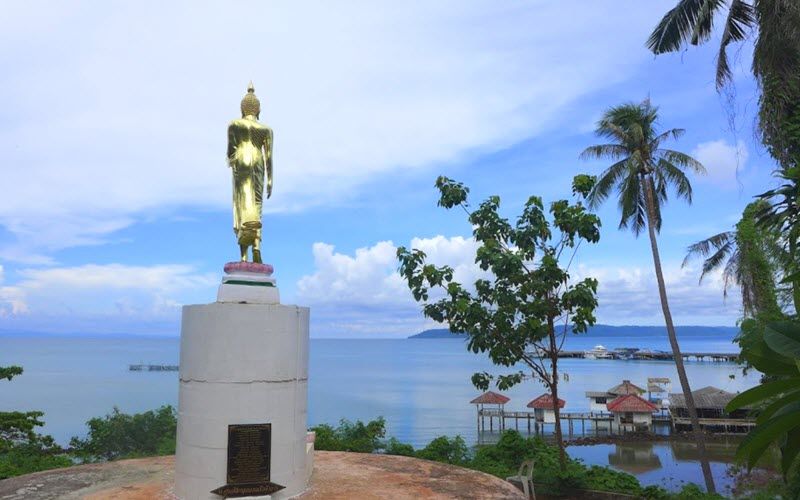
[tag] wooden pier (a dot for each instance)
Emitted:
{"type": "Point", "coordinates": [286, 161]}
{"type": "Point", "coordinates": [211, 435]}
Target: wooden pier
{"type": "Point", "coordinates": [659, 356]}
{"type": "Point", "coordinates": [529, 417]}
{"type": "Point", "coordinates": [152, 368]}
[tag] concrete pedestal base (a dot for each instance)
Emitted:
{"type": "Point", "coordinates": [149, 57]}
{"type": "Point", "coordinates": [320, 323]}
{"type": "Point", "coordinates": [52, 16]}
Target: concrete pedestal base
{"type": "Point", "coordinates": [241, 364]}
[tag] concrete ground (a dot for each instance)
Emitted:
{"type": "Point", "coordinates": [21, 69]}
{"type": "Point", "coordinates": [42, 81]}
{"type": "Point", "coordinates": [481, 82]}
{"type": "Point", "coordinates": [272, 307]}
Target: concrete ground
{"type": "Point", "coordinates": [337, 475]}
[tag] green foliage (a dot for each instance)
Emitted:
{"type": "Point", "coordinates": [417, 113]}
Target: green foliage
{"type": "Point", "coordinates": [348, 436]}
{"type": "Point", "coordinates": [778, 421]}
{"type": "Point", "coordinates": [504, 458]}
{"type": "Point", "coordinates": [32, 457]}
{"type": "Point", "coordinates": [22, 450]}
{"type": "Point", "coordinates": [444, 449]}
{"type": "Point", "coordinates": [749, 257]}
{"type": "Point", "coordinates": [119, 435]}
{"type": "Point", "coordinates": [606, 479]}
{"type": "Point", "coordinates": [772, 25]}
{"type": "Point", "coordinates": [9, 372]}
{"type": "Point", "coordinates": [17, 428]}
{"type": "Point", "coordinates": [516, 311]}
{"type": "Point", "coordinates": [582, 184]}
{"type": "Point", "coordinates": [642, 171]}
{"type": "Point", "coordinates": [395, 447]}
{"type": "Point", "coordinates": [508, 314]}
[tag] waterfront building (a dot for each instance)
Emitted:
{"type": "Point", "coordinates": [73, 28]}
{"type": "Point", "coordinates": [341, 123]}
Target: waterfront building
{"type": "Point", "coordinates": [632, 412]}
{"type": "Point", "coordinates": [543, 408]}
{"type": "Point", "coordinates": [598, 400]}
{"type": "Point", "coordinates": [658, 389]}
{"type": "Point", "coordinates": [496, 403]}
{"type": "Point", "coordinates": [710, 403]}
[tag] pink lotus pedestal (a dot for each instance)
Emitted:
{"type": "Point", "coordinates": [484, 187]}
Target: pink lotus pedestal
{"type": "Point", "coordinates": [248, 283]}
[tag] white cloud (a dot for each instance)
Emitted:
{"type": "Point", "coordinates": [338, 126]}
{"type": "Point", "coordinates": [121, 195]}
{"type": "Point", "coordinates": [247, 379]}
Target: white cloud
{"type": "Point", "coordinates": [11, 301]}
{"type": "Point", "coordinates": [629, 295]}
{"type": "Point", "coordinates": [113, 110]}
{"type": "Point", "coordinates": [98, 291]}
{"type": "Point", "coordinates": [724, 162]}
{"type": "Point", "coordinates": [363, 294]}
{"type": "Point", "coordinates": [370, 277]}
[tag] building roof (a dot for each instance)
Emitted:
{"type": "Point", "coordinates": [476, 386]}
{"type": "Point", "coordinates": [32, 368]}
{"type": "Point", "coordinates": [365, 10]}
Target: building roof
{"type": "Point", "coordinates": [626, 387]}
{"type": "Point", "coordinates": [545, 401]}
{"type": "Point", "coordinates": [631, 403]}
{"type": "Point", "coordinates": [653, 387]}
{"type": "Point", "coordinates": [490, 398]}
{"type": "Point", "coordinates": [598, 394]}
{"type": "Point", "coordinates": [707, 397]}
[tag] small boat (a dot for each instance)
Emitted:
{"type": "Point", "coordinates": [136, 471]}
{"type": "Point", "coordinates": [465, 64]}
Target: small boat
{"type": "Point", "coordinates": [597, 352]}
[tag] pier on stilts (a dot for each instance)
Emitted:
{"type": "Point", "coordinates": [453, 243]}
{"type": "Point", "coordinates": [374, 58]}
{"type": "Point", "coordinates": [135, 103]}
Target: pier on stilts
{"type": "Point", "coordinates": [644, 355]}
{"type": "Point", "coordinates": [499, 419]}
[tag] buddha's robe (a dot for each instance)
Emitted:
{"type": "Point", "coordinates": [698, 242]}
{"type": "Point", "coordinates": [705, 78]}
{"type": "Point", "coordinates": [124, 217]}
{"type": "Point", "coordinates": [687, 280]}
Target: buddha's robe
{"type": "Point", "coordinates": [249, 151]}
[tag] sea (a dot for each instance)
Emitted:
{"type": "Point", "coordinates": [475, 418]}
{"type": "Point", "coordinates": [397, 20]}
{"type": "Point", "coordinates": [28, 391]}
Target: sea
{"type": "Point", "coordinates": [420, 386]}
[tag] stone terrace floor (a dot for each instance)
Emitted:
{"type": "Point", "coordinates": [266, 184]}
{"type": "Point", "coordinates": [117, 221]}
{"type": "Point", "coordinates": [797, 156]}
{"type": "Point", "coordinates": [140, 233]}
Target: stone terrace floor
{"type": "Point", "coordinates": [337, 475]}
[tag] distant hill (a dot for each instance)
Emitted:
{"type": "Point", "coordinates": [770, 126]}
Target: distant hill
{"type": "Point", "coordinates": [438, 333]}
{"type": "Point", "coordinates": [608, 330]}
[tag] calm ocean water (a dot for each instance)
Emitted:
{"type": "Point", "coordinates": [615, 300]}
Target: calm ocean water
{"type": "Point", "coordinates": [421, 387]}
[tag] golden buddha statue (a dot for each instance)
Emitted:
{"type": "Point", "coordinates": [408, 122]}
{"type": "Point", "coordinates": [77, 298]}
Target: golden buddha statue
{"type": "Point", "coordinates": [250, 157]}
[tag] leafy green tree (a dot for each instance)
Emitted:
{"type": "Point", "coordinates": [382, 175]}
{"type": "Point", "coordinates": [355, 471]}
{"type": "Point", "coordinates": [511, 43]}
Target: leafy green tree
{"type": "Point", "coordinates": [120, 435]}
{"type": "Point", "coordinates": [22, 449]}
{"type": "Point", "coordinates": [641, 175]}
{"type": "Point", "coordinates": [777, 355]}
{"type": "Point", "coordinates": [522, 314]}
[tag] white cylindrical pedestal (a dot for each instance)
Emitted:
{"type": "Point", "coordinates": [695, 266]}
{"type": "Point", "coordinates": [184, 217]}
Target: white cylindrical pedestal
{"type": "Point", "coordinates": [241, 364]}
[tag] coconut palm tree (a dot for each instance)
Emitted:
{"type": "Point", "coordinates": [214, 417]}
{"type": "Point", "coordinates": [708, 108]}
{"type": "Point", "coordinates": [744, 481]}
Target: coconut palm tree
{"type": "Point", "coordinates": [773, 24]}
{"type": "Point", "coordinates": [641, 174]}
{"type": "Point", "coordinates": [749, 257]}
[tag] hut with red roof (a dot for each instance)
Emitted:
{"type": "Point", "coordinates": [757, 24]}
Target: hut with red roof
{"type": "Point", "coordinates": [492, 399]}
{"type": "Point", "coordinates": [543, 408]}
{"type": "Point", "coordinates": [632, 412]}
{"type": "Point", "coordinates": [599, 399]}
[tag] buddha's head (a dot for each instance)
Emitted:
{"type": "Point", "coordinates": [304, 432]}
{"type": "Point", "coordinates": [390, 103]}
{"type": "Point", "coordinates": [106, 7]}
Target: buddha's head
{"type": "Point", "coordinates": [250, 103]}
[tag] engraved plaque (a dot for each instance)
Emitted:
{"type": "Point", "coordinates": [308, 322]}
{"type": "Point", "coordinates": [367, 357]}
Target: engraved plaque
{"type": "Point", "coordinates": [249, 449]}
{"type": "Point", "coordinates": [249, 454]}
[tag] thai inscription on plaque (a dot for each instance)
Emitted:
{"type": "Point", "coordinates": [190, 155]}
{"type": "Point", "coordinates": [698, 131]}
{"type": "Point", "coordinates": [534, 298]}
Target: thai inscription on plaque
{"type": "Point", "coordinates": [249, 454]}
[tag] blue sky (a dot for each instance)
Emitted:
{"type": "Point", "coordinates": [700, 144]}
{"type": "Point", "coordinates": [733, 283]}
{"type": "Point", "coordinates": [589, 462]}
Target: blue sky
{"type": "Point", "coordinates": [115, 195]}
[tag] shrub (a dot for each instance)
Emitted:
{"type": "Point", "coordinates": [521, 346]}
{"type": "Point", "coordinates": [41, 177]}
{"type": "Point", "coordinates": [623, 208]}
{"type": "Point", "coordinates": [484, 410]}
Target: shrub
{"type": "Point", "coordinates": [607, 479]}
{"type": "Point", "coordinates": [348, 436]}
{"type": "Point", "coordinates": [32, 457]}
{"type": "Point", "coordinates": [395, 447]}
{"type": "Point", "coordinates": [444, 449]}
{"type": "Point", "coordinates": [120, 435]}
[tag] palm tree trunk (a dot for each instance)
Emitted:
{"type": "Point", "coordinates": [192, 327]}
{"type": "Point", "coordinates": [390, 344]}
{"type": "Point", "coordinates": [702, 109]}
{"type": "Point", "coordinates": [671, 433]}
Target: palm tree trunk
{"type": "Point", "coordinates": [673, 339]}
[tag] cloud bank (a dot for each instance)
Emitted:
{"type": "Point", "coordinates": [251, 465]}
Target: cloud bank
{"type": "Point", "coordinates": [362, 294]}
{"type": "Point", "coordinates": [116, 110]}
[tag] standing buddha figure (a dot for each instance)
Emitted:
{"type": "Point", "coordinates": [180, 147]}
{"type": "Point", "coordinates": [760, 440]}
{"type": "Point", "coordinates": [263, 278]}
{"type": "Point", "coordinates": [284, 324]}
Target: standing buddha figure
{"type": "Point", "coordinates": [250, 158]}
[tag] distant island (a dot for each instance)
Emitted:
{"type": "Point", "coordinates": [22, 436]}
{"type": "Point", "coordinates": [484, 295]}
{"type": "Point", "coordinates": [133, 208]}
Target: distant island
{"type": "Point", "coordinates": [609, 330]}
{"type": "Point", "coordinates": [438, 333]}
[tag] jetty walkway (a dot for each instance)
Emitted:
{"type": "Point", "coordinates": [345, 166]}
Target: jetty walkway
{"type": "Point", "coordinates": [657, 355]}
{"type": "Point", "coordinates": [529, 417]}
{"type": "Point", "coordinates": [152, 368]}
